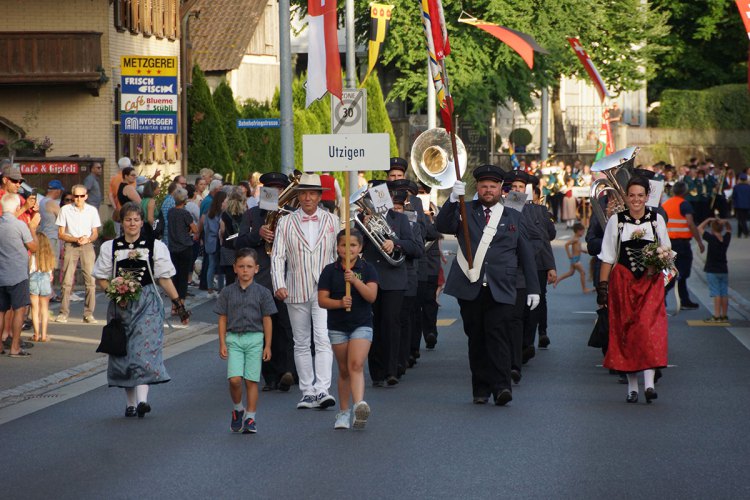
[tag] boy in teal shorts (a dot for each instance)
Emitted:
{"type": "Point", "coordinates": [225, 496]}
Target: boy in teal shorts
{"type": "Point", "coordinates": [244, 310]}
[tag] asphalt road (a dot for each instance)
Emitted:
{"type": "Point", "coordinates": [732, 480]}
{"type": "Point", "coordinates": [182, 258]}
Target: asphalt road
{"type": "Point", "coordinates": [567, 434]}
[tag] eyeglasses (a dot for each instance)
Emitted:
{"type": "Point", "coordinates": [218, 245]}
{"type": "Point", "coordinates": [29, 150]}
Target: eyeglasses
{"type": "Point", "coordinates": [68, 200]}
{"type": "Point", "coordinates": [79, 196]}
{"type": "Point", "coordinates": [16, 181]}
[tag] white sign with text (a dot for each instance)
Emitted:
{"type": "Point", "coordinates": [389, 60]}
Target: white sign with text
{"type": "Point", "coordinates": [345, 152]}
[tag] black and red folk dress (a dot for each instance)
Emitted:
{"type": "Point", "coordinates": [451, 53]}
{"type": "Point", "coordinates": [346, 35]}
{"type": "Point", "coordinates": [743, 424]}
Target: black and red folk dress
{"type": "Point", "coordinates": [637, 314]}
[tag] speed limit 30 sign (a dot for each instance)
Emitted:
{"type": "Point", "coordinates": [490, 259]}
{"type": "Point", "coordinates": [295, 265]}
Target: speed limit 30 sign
{"type": "Point", "coordinates": [349, 116]}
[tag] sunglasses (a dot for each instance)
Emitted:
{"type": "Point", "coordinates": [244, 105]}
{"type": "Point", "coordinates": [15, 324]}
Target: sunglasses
{"type": "Point", "coordinates": [16, 181]}
{"type": "Point", "coordinates": [68, 200]}
{"type": "Point", "coordinates": [79, 196]}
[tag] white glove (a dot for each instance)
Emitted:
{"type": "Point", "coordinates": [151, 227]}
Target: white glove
{"type": "Point", "coordinates": [459, 189]}
{"type": "Point", "coordinates": [532, 300]}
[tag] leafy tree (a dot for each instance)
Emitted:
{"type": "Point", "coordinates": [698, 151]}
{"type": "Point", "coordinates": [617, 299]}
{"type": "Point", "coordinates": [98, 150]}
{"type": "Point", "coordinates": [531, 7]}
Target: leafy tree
{"type": "Point", "coordinates": [377, 115]}
{"type": "Point", "coordinates": [207, 145]}
{"type": "Point", "coordinates": [484, 72]}
{"type": "Point", "coordinates": [708, 46]}
{"type": "Point", "coordinates": [236, 140]}
{"type": "Point", "coordinates": [264, 144]}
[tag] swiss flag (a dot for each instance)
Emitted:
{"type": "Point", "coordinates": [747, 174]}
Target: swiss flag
{"type": "Point", "coordinates": [323, 60]}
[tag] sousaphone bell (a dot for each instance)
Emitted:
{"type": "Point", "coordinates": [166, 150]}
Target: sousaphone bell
{"type": "Point", "coordinates": [432, 158]}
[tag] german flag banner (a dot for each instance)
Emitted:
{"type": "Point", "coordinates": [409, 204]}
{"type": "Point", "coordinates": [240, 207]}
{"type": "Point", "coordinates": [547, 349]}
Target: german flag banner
{"type": "Point", "coordinates": [380, 20]}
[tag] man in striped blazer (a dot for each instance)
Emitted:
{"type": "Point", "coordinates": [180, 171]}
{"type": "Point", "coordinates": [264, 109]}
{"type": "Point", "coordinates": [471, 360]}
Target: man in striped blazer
{"type": "Point", "coordinates": [304, 244]}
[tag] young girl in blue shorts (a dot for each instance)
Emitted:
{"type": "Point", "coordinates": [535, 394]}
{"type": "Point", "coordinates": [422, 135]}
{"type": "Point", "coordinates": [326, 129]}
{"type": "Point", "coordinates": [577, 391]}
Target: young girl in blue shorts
{"type": "Point", "coordinates": [349, 324]}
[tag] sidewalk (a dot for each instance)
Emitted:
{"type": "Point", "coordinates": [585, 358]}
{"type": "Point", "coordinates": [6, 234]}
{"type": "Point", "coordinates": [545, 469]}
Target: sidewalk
{"type": "Point", "coordinates": [71, 355]}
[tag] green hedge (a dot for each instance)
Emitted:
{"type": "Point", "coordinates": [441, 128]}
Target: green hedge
{"type": "Point", "coordinates": [236, 140]}
{"type": "Point", "coordinates": [207, 142]}
{"type": "Point", "coordinates": [725, 107]}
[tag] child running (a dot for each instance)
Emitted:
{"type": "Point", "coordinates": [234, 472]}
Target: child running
{"type": "Point", "coordinates": [573, 249]}
{"type": "Point", "coordinates": [716, 269]}
{"type": "Point", "coordinates": [244, 310]}
{"type": "Point", "coordinates": [350, 331]}
{"type": "Point", "coordinates": [41, 265]}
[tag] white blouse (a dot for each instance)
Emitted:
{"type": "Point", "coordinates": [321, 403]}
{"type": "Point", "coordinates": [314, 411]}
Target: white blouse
{"type": "Point", "coordinates": [611, 233]}
{"type": "Point", "coordinates": [163, 267]}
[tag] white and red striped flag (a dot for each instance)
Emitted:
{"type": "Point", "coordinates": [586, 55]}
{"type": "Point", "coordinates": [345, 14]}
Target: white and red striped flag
{"type": "Point", "coordinates": [588, 65]}
{"type": "Point", "coordinates": [323, 60]}
{"type": "Point", "coordinates": [437, 48]}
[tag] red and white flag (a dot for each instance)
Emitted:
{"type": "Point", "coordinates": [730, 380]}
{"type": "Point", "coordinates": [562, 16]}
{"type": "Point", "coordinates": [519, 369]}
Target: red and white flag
{"type": "Point", "coordinates": [323, 60]}
{"type": "Point", "coordinates": [596, 78]}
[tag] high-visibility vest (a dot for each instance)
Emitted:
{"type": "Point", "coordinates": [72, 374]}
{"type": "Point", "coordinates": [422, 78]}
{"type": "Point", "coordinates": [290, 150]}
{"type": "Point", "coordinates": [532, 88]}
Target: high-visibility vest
{"type": "Point", "coordinates": [677, 226]}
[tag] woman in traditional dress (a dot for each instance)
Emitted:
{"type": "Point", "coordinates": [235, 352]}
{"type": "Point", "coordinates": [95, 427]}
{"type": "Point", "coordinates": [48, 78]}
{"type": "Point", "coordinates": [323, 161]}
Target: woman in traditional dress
{"type": "Point", "coordinates": [634, 293]}
{"type": "Point", "coordinates": [148, 260]}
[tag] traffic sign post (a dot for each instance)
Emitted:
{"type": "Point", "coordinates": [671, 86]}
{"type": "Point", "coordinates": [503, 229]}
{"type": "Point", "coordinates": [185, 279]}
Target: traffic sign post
{"type": "Point", "coordinates": [349, 116]}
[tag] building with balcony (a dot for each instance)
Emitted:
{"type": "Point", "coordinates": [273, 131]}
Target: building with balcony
{"type": "Point", "coordinates": [60, 78]}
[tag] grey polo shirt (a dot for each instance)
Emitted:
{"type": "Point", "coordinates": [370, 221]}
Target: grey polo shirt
{"type": "Point", "coordinates": [245, 308]}
{"type": "Point", "coordinates": [14, 258]}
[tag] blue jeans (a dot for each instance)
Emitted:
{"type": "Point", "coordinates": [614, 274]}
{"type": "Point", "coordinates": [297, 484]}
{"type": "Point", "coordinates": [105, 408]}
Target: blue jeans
{"type": "Point", "coordinates": [213, 267]}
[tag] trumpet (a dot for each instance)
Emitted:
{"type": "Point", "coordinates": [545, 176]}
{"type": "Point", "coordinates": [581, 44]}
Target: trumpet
{"type": "Point", "coordinates": [287, 197]}
{"type": "Point", "coordinates": [374, 225]}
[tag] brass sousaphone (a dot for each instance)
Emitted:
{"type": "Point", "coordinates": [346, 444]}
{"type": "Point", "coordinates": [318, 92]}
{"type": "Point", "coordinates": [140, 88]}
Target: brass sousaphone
{"type": "Point", "coordinates": [618, 169]}
{"type": "Point", "coordinates": [432, 158]}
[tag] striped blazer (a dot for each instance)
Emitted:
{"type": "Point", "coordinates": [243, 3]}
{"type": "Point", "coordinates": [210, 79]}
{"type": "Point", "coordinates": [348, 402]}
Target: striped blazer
{"type": "Point", "coordinates": [296, 263]}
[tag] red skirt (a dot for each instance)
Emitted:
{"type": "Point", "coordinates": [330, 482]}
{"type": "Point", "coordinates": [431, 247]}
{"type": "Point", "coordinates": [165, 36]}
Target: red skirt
{"type": "Point", "coordinates": [637, 322]}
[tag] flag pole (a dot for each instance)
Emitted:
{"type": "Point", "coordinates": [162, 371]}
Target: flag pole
{"type": "Point", "coordinates": [454, 146]}
{"type": "Point", "coordinates": [347, 228]}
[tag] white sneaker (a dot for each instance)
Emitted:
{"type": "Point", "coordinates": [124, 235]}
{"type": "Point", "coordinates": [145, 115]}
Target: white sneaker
{"type": "Point", "coordinates": [342, 420]}
{"type": "Point", "coordinates": [361, 413]}
{"type": "Point", "coordinates": [75, 298]}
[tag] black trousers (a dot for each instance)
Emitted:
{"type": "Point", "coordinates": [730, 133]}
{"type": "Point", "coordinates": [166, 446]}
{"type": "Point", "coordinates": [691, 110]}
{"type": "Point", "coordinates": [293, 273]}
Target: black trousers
{"type": "Point", "coordinates": [426, 313]}
{"type": "Point", "coordinates": [741, 221]}
{"type": "Point", "coordinates": [383, 356]}
{"type": "Point", "coordinates": [181, 261]}
{"type": "Point", "coordinates": [229, 276]}
{"type": "Point", "coordinates": [517, 329]}
{"type": "Point", "coordinates": [408, 311]}
{"type": "Point", "coordinates": [538, 317]}
{"type": "Point", "coordinates": [684, 263]}
{"type": "Point", "coordinates": [486, 324]}
{"type": "Point", "coordinates": [282, 346]}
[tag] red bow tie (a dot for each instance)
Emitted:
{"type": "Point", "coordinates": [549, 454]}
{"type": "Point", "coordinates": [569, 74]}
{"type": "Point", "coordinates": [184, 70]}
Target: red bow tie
{"type": "Point", "coordinates": [306, 218]}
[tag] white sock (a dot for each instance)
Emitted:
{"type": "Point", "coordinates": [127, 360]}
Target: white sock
{"type": "Point", "coordinates": [142, 392]}
{"type": "Point", "coordinates": [648, 379]}
{"type": "Point", "coordinates": [249, 414]}
{"type": "Point", "coordinates": [130, 395]}
{"type": "Point", "coordinates": [632, 382]}
{"type": "Point", "coordinates": [239, 407]}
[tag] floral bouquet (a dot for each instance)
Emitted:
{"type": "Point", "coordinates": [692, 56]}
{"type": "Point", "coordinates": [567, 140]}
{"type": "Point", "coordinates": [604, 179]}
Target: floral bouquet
{"type": "Point", "coordinates": [124, 288]}
{"type": "Point", "coordinates": [660, 258]}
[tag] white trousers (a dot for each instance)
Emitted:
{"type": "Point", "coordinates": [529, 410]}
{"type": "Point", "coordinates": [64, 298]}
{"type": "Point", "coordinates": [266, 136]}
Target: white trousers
{"type": "Point", "coordinates": [313, 379]}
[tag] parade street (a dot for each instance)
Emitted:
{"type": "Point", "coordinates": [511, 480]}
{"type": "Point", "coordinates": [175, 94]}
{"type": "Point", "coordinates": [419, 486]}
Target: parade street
{"type": "Point", "coordinates": [568, 432]}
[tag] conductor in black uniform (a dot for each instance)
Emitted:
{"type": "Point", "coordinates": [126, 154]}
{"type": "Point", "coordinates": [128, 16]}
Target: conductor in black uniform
{"type": "Point", "coordinates": [487, 299]}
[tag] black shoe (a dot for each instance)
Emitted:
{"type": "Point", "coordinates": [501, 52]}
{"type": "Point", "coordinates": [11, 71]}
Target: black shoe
{"type": "Point", "coordinates": [503, 398]}
{"type": "Point", "coordinates": [651, 395]}
{"type": "Point", "coordinates": [689, 306]}
{"type": "Point", "coordinates": [130, 411]}
{"type": "Point", "coordinates": [412, 361]}
{"type": "Point", "coordinates": [515, 376]}
{"type": "Point", "coordinates": [270, 386]}
{"type": "Point", "coordinates": [622, 379]}
{"type": "Point", "coordinates": [657, 375]}
{"type": "Point", "coordinates": [543, 341]}
{"type": "Point", "coordinates": [481, 400]}
{"type": "Point", "coordinates": [142, 409]}
{"type": "Point", "coordinates": [391, 380]}
{"type": "Point", "coordinates": [528, 353]}
{"type": "Point", "coordinates": [415, 354]}
{"type": "Point", "coordinates": [430, 340]}
{"type": "Point", "coordinates": [287, 381]}
{"type": "Point", "coordinates": [378, 383]}
{"type": "Point", "coordinates": [632, 397]}
{"type": "Point", "coordinates": [27, 325]}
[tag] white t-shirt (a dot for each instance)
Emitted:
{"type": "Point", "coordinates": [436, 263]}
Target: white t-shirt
{"type": "Point", "coordinates": [78, 223]}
